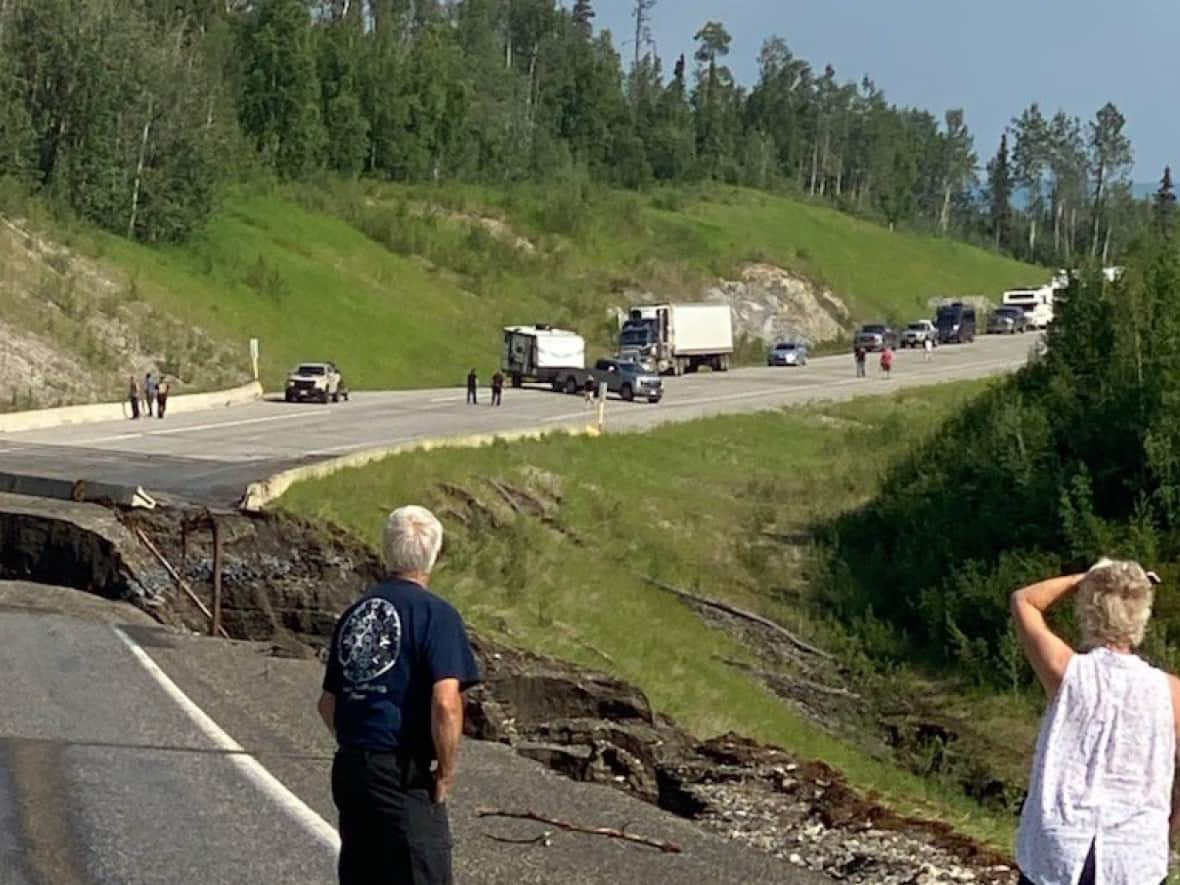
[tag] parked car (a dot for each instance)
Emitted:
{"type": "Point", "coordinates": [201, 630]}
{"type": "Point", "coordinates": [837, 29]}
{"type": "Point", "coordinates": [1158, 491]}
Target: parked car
{"type": "Point", "coordinates": [917, 334]}
{"type": "Point", "coordinates": [1007, 320]}
{"type": "Point", "coordinates": [787, 353]}
{"type": "Point", "coordinates": [320, 381]}
{"type": "Point", "coordinates": [876, 336]}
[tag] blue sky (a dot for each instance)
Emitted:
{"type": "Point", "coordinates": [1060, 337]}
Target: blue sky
{"type": "Point", "coordinates": [991, 58]}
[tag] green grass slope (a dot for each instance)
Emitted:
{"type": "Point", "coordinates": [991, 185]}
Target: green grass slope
{"type": "Point", "coordinates": [702, 505]}
{"type": "Point", "coordinates": [408, 286]}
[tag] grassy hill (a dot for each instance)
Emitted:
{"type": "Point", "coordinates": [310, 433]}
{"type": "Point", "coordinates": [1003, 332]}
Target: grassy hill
{"type": "Point", "coordinates": [409, 286]}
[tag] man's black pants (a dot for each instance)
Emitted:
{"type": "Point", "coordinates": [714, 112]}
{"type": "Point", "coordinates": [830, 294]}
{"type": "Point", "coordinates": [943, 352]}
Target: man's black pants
{"type": "Point", "coordinates": [391, 830]}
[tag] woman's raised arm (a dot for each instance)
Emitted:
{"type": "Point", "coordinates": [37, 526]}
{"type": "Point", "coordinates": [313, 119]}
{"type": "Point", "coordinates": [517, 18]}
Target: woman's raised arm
{"type": "Point", "coordinates": [1047, 652]}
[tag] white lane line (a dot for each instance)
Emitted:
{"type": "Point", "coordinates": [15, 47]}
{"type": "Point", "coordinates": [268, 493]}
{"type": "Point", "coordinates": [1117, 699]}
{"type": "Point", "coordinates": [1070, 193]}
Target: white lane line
{"type": "Point", "coordinates": [454, 398]}
{"type": "Point", "coordinates": [587, 413]}
{"type": "Point", "coordinates": [315, 826]}
{"type": "Point", "coordinates": [195, 427]}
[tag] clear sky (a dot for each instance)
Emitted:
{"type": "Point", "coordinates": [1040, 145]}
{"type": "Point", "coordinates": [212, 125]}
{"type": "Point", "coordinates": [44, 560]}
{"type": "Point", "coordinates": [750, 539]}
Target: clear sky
{"type": "Point", "coordinates": [990, 58]}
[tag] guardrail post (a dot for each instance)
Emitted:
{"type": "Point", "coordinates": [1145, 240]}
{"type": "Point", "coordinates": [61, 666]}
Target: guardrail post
{"type": "Point", "coordinates": [215, 617]}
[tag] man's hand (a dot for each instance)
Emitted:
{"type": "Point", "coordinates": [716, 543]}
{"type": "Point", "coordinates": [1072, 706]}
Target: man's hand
{"type": "Point", "coordinates": [446, 727]}
{"type": "Point", "coordinates": [443, 784]}
{"type": "Point", "coordinates": [327, 710]}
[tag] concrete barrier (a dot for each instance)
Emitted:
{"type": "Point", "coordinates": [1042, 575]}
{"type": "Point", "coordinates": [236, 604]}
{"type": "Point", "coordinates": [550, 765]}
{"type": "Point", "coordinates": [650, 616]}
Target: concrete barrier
{"type": "Point", "coordinates": [40, 419]}
{"type": "Point", "coordinates": [260, 494]}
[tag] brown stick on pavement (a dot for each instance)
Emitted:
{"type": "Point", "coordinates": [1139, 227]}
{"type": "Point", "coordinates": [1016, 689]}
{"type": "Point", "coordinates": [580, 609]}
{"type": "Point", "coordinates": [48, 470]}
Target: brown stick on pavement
{"type": "Point", "coordinates": [567, 826]}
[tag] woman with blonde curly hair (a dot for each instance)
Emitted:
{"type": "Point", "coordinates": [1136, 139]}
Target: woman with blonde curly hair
{"type": "Point", "coordinates": [1099, 801]}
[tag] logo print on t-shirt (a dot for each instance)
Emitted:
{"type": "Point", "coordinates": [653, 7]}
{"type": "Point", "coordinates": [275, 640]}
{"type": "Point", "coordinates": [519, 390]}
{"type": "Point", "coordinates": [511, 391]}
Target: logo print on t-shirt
{"type": "Point", "coordinates": [369, 641]}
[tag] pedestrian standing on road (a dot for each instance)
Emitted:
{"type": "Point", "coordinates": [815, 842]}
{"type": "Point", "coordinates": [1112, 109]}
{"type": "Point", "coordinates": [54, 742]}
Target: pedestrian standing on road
{"type": "Point", "coordinates": [887, 360]}
{"type": "Point", "coordinates": [149, 393]}
{"type": "Point", "coordinates": [927, 348]}
{"type": "Point", "coordinates": [1100, 793]}
{"type": "Point", "coordinates": [161, 397]}
{"type": "Point", "coordinates": [472, 388]}
{"type": "Point", "coordinates": [133, 395]}
{"type": "Point", "coordinates": [860, 355]}
{"type": "Point", "coordinates": [588, 390]}
{"type": "Point", "coordinates": [497, 388]}
{"type": "Point", "coordinates": [398, 665]}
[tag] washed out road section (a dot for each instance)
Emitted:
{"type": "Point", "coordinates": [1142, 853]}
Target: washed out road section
{"type": "Point", "coordinates": [211, 457]}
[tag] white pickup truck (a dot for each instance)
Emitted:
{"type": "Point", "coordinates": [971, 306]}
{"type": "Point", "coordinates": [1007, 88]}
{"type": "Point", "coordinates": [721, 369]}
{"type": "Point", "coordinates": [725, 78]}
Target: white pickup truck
{"type": "Point", "coordinates": [318, 381]}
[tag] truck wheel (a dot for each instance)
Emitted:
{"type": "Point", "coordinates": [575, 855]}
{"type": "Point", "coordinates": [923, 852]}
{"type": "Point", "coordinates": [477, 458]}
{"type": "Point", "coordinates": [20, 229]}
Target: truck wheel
{"type": "Point", "coordinates": [289, 396]}
{"type": "Point", "coordinates": [324, 397]}
{"type": "Point", "coordinates": [627, 393]}
{"type": "Point", "coordinates": [336, 397]}
{"type": "Point", "coordinates": [571, 386]}
{"type": "Point", "coordinates": [725, 363]}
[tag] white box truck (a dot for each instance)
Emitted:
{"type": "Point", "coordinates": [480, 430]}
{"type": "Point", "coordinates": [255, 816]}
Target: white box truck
{"type": "Point", "coordinates": [540, 353]}
{"type": "Point", "coordinates": [678, 338]}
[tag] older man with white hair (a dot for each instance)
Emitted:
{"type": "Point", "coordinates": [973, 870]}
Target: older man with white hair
{"type": "Point", "coordinates": [398, 665]}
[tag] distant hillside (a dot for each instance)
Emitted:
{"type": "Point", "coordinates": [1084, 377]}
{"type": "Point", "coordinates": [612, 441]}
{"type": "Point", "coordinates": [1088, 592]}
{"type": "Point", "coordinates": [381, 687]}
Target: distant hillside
{"type": "Point", "coordinates": [409, 286]}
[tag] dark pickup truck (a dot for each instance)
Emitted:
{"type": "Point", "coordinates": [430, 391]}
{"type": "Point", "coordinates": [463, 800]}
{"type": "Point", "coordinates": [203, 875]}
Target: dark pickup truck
{"type": "Point", "coordinates": [626, 378]}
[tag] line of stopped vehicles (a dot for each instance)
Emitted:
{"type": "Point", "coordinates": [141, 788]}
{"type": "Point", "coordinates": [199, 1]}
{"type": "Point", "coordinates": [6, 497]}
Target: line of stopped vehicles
{"type": "Point", "coordinates": [677, 339]}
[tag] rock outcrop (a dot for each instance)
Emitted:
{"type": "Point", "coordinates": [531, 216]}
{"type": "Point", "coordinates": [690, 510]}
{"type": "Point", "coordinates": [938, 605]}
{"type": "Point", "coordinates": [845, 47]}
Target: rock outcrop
{"type": "Point", "coordinates": [770, 303]}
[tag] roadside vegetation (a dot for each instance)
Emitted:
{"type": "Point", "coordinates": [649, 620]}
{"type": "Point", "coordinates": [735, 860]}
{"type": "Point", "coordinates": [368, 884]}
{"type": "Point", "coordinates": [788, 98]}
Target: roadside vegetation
{"type": "Point", "coordinates": [550, 544]}
{"type": "Point", "coordinates": [1076, 457]}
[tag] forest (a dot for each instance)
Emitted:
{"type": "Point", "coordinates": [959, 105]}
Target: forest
{"type": "Point", "coordinates": [136, 114]}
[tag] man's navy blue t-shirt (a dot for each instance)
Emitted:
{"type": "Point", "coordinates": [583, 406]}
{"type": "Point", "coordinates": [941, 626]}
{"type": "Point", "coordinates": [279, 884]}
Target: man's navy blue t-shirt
{"type": "Point", "coordinates": [389, 649]}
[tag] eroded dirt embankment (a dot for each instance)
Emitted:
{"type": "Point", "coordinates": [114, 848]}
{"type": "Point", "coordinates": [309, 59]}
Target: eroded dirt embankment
{"type": "Point", "coordinates": [284, 582]}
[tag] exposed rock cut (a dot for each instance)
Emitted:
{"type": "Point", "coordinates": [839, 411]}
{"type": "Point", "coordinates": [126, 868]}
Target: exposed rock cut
{"type": "Point", "coordinates": [770, 303]}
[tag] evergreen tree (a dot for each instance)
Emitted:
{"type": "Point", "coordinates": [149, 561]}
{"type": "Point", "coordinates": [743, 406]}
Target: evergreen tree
{"type": "Point", "coordinates": [710, 100]}
{"type": "Point", "coordinates": [583, 15]}
{"type": "Point", "coordinates": [1110, 158]}
{"type": "Point", "coordinates": [999, 186]}
{"type": "Point", "coordinates": [957, 164]}
{"type": "Point", "coordinates": [1165, 205]}
{"type": "Point", "coordinates": [346, 126]}
{"type": "Point", "coordinates": [280, 101]}
{"type": "Point", "coordinates": [1030, 157]}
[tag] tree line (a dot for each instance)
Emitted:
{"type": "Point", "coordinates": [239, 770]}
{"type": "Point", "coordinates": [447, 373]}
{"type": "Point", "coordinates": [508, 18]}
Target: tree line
{"type": "Point", "coordinates": [136, 112]}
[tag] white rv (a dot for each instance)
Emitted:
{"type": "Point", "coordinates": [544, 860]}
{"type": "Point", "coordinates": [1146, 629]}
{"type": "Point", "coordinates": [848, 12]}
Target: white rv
{"type": "Point", "coordinates": [1036, 302]}
{"type": "Point", "coordinates": [539, 353]}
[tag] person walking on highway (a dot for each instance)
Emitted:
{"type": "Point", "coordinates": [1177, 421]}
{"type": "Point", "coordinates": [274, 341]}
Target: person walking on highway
{"type": "Point", "coordinates": [927, 348]}
{"type": "Point", "coordinates": [472, 388]}
{"type": "Point", "coordinates": [149, 393]}
{"type": "Point", "coordinates": [588, 391]}
{"type": "Point", "coordinates": [398, 665]}
{"type": "Point", "coordinates": [887, 360]}
{"type": "Point", "coordinates": [1100, 792]}
{"type": "Point", "coordinates": [497, 388]}
{"type": "Point", "coordinates": [133, 395]}
{"type": "Point", "coordinates": [161, 397]}
{"type": "Point", "coordinates": [860, 355]}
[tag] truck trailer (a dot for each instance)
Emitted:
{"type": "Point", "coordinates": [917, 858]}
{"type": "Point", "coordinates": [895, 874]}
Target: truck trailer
{"type": "Point", "coordinates": [540, 353]}
{"type": "Point", "coordinates": [678, 338]}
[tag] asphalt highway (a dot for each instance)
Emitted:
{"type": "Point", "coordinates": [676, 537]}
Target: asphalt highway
{"type": "Point", "coordinates": [211, 456]}
{"type": "Point", "coordinates": [107, 779]}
